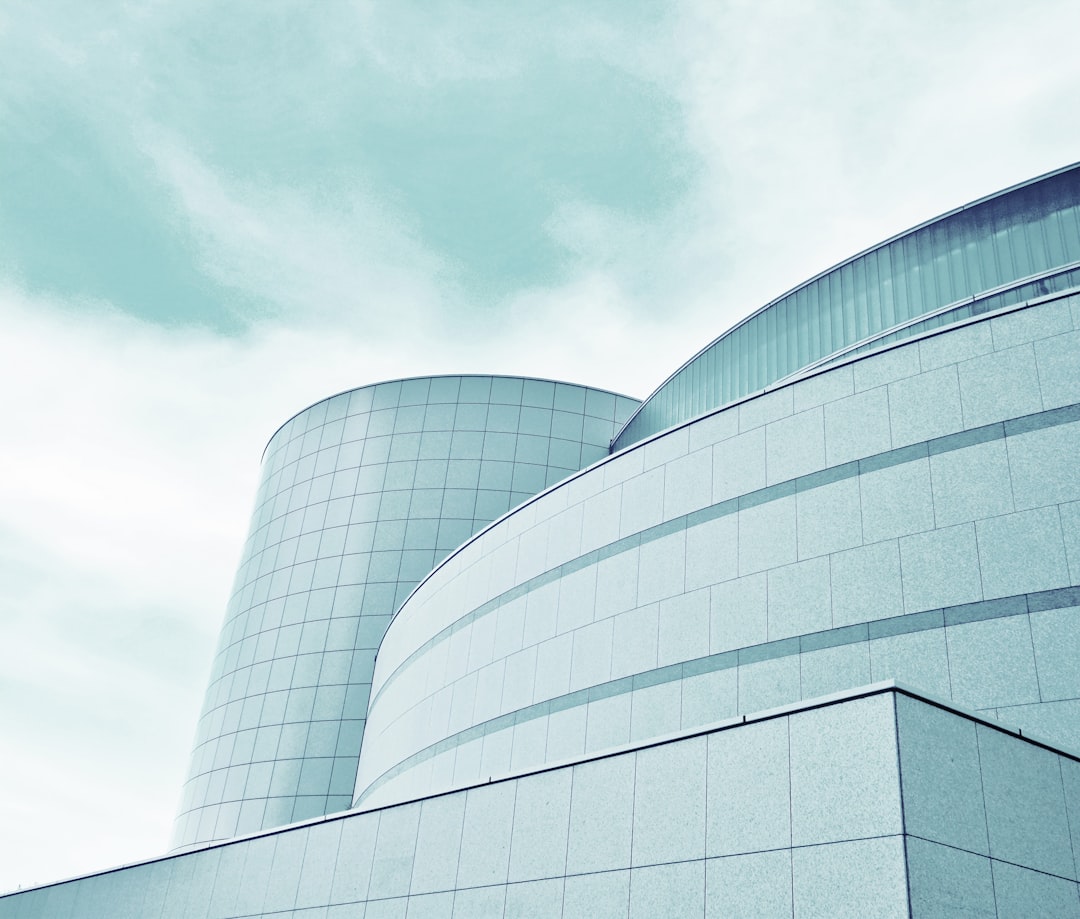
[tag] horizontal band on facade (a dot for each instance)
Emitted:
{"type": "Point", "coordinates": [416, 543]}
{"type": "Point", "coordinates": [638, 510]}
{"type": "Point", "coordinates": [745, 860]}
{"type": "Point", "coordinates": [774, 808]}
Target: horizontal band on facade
{"type": "Point", "coordinates": [925, 620]}
{"type": "Point", "coordinates": [801, 484]}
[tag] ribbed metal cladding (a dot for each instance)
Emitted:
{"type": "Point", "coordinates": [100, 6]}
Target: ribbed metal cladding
{"type": "Point", "coordinates": [1017, 244]}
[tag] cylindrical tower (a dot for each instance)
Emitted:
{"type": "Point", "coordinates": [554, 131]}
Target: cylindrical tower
{"type": "Point", "coordinates": [361, 495]}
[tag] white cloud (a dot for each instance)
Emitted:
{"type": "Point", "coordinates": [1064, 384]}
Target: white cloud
{"type": "Point", "coordinates": [824, 128]}
{"type": "Point", "coordinates": [123, 513]}
{"type": "Point", "coordinates": [130, 461]}
{"type": "Point", "coordinates": [360, 278]}
{"type": "Point", "coordinates": [350, 261]}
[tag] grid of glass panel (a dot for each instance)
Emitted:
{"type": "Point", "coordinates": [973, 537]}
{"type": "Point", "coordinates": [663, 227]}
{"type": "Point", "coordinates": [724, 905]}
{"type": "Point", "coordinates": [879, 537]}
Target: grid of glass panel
{"type": "Point", "coordinates": [361, 496]}
{"type": "Point", "coordinates": [1028, 231]}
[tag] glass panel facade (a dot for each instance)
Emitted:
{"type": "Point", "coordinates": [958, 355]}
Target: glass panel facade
{"type": "Point", "coordinates": [1031, 230]}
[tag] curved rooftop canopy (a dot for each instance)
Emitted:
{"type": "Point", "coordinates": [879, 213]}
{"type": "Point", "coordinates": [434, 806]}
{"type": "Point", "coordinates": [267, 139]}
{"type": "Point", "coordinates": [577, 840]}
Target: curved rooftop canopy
{"type": "Point", "coordinates": [1003, 249]}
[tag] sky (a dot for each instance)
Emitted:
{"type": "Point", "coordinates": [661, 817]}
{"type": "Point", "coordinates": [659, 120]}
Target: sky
{"type": "Point", "coordinates": [213, 215]}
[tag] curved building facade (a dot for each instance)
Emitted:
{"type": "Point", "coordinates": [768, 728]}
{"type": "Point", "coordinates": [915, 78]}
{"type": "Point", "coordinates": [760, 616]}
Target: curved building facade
{"type": "Point", "coordinates": [361, 495]}
{"type": "Point", "coordinates": [1019, 243]}
{"type": "Point", "coordinates": [913, 514]}
{"type": "Point", "coordinates": [803, 644]}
